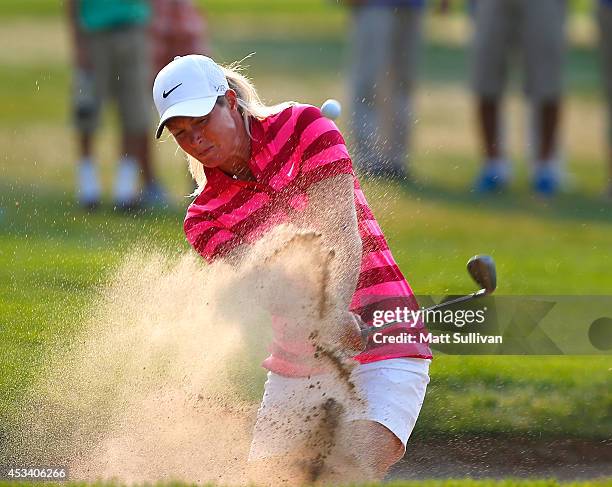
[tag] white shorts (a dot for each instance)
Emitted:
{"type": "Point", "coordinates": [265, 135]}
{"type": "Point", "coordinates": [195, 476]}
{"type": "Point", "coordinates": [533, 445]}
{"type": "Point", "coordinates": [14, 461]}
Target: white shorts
{"type": "Point", "coordinates": [389, 392]}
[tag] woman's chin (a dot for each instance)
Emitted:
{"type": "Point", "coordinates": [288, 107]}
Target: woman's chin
{"type": "Point", "coordinates": [208, 162]}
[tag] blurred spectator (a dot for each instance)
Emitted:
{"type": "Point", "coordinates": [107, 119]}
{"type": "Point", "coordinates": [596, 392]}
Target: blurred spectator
{"type": "Point", "coordinates": [177, 29]}
{"type": "Point", "coordinates": [537, 29]}
{"type": "Point", "coordinates": [604, 17]}
{"type": "Point", "coordinates": [113, 61]}
{"type": "Point", "coordinates": [386, 42]}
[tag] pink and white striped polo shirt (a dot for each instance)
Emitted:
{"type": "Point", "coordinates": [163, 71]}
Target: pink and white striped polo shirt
{"type": "Point", "coordinates": [290, 151]}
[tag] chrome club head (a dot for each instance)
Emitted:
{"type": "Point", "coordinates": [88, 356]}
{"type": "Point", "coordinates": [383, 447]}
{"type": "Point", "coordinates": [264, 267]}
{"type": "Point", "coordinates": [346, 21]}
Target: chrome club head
{"type": "Point", "coordinates": [482, 270]}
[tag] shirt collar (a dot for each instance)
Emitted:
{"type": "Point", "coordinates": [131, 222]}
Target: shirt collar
{"type": "Point", "coordinates": [217, 176]}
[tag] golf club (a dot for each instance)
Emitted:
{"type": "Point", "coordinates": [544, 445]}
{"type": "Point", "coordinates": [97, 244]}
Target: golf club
{"type": "Point", "coordinates": [480, 267]}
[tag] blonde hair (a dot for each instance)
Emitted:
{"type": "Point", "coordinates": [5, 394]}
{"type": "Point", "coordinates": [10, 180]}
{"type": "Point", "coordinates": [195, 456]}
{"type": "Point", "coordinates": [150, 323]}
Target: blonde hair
{"type": "Point", "coordinates": [249, 105]}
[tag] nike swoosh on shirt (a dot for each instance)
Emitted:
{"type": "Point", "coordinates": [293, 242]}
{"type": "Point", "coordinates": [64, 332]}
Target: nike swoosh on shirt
{"type": "Point", "coordinates": [166, 93]}
{"type": "Point", "coordinates": [291, 170]}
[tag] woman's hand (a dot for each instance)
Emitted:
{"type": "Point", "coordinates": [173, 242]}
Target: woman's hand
{"type": "Point", "coordinates": [344, 331]}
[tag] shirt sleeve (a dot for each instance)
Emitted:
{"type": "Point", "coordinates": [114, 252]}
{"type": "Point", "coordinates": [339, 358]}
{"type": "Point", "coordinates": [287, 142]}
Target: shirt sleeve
{"type": "Point", "coordinates": [322, 150]}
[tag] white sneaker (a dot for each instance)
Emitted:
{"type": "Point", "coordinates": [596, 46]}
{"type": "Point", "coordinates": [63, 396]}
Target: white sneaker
{"type": "Point", "coordinates": [88, 190]}
{"type": "Point", "coordinates": [126, 183]}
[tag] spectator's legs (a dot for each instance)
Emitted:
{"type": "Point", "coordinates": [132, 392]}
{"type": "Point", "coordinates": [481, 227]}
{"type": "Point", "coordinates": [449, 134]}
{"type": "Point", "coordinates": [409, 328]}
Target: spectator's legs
{"type": "Point", "coordinates": [370, 64]}
{"type": "Point", "coordinates": [132, 90]}
{"type": "Point", "coordinates": [85, 145]}
{"type": "Point", "coordinates": [88, 183]}
{"type": "Point", "coordinates": [86, 108]}
{"type": "Point", "coordinates": [405, 53]}
{"type": "Point", "coordinates": [137, 146]}
{"type": "Point", "coordinates": [492, 43]}
{"type": "Point", "coordinates": [543, 43]}
{"type": "Point", "coordinates": [489, 120]}
{"type": "Point", "coordinates": [549, 118]}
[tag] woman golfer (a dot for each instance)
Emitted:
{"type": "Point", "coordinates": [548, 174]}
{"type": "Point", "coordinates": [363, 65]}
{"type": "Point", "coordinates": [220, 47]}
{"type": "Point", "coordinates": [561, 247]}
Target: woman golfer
{"type": "Point", "coordinates": [257, 167]}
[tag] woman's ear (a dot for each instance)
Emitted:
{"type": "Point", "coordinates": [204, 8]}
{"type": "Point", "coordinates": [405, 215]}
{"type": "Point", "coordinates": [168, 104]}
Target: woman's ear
{"type": "Point", "coordinates": [232, 99]}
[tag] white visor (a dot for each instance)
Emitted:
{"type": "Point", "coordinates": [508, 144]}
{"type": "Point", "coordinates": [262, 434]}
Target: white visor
{"type": "Point", "coordinates": [188, 86]}
{"type": "Point", "coordinates": [188, 108]}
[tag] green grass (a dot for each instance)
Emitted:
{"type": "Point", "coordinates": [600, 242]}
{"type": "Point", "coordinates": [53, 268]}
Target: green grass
{"type": "Point", "coordinates": [53, 257]}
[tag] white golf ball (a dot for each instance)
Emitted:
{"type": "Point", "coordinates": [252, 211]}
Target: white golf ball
{"type": "Point", "coordinates": [331, 109]}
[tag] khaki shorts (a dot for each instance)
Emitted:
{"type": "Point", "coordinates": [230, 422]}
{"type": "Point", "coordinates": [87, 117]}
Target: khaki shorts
{"type": "Point", "coordinates": [389, 392]}
{"type": "Point", "coordinates": [121, 70]}
{"type": "Point", "coordinates": [386, 46]}
{"type": "Point", "coordinates": [536, 28]}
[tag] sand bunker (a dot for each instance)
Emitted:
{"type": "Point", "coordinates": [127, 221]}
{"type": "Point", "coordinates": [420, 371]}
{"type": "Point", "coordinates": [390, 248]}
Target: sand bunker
{"type": "Point", "coordinates": [163, 381]}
